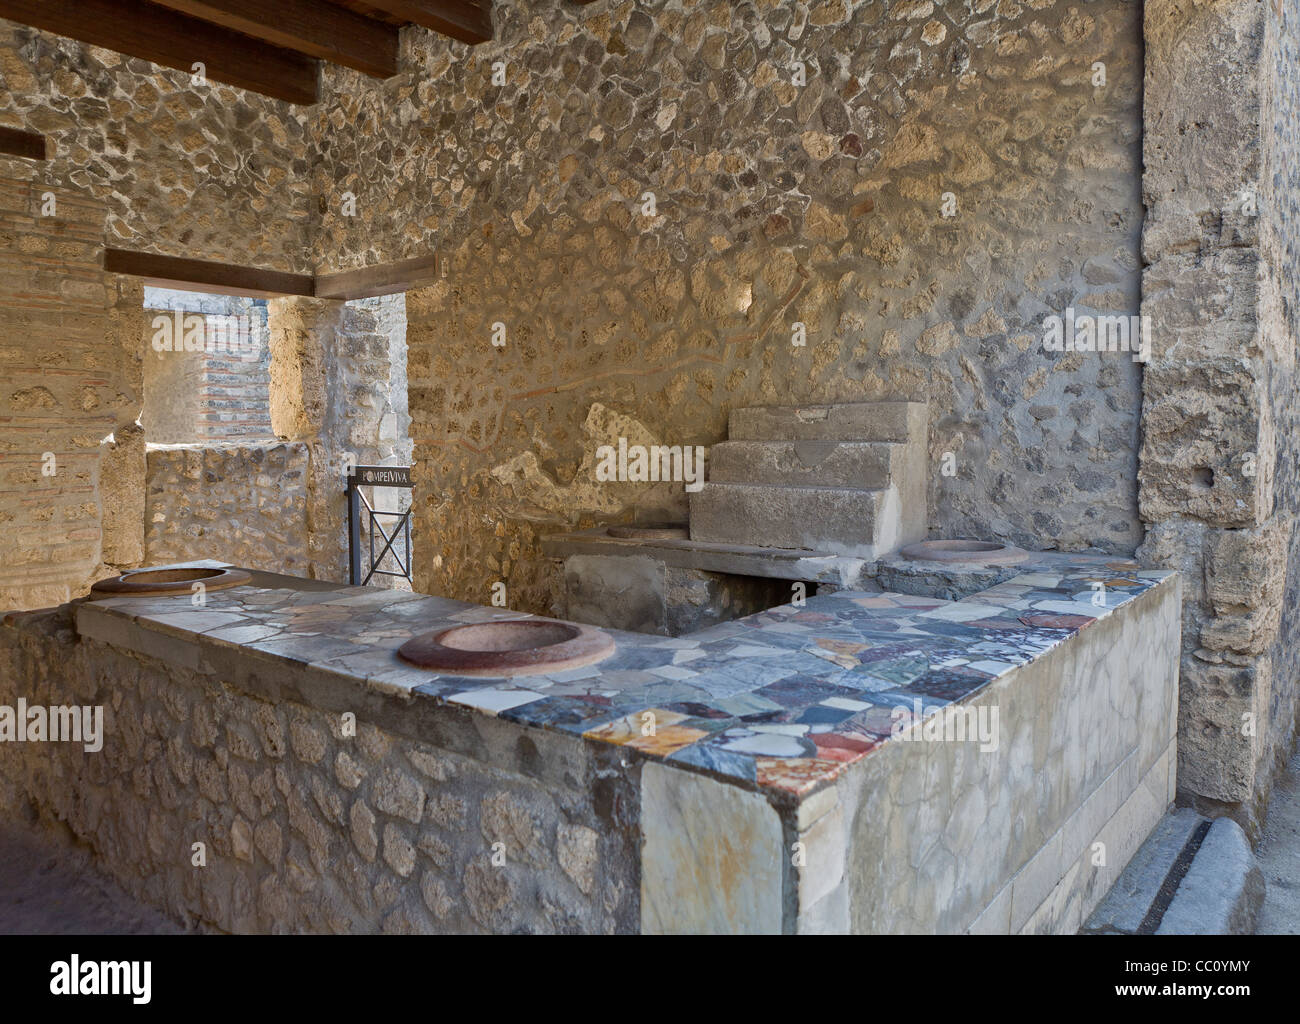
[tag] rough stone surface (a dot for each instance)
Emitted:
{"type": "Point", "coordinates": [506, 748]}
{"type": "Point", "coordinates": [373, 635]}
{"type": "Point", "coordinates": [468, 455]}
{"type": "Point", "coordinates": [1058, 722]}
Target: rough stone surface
{"type": "Point", "coordinates": [326, 357]}
{"type": "Point", "coordinates": [49, 886]}
{"type": "Point", "coordinates": [1217, 485]}
{"type": "Point", "coordinates": [1223, 889]}
{"type": "Point", "coordinates": [70, 364]}
{"type": "Point", "coordinates": [196, 170]}
{"type": "Point", "coordinates": [776, 204]}
{"type": "Point", "coordinates": [644, 595]}
{"type": "Point", "coordinates": [241, 503]}
{"type": "Point", "coordinates": [1130, 900]}
{"type": "Point", "coordinates": [1279, 857]}
{"type": "Point", "coordinates": [292, 846]}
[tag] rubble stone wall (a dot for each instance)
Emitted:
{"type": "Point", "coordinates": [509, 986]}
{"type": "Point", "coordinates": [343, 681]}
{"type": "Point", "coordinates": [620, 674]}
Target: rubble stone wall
{"type": "Point", "coordinates": [1219, 482]}
{"type": "Point", "coordinates": [774, 203]}
{"type": "Point", "coordinates": [206, 171]}
{"type": "Point", "coordinates": [306, 824]}
{"type": "Point", "coordinates": [240, 503]}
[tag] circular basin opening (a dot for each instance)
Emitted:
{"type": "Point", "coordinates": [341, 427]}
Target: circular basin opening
{"type": "Point", "coordinates": [512, 647]}
{"type": "Point", "coordinates": [180, 579]}
{"type": "Point", "coordinates": [170, 575]}
{"type": "Point", "coordinates": [507, 636]}
{"type": "Point", "coordinates": [969, 547]}
{"type": "Point", "coordinates": [982, 552]}
{"type": "Point", "coordinates": [650, 531]}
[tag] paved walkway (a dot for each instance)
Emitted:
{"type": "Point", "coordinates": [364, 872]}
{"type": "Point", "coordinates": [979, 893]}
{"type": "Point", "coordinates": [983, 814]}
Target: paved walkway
{"type": "Point", "coordinates": [1279, 856]}
{"type": "Point", "coordinates": [49, 887]}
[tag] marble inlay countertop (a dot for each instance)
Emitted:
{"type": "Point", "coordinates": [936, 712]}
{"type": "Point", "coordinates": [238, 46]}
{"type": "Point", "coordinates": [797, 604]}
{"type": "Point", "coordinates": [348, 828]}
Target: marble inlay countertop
{"type": "Point", "coordinates": [784, 699]}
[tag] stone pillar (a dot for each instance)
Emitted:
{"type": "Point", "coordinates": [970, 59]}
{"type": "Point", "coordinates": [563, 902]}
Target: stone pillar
{"type": "Point", "coordinates": [1206, 482]}
{"type": "Point", "coordinates": [331, 381]}
{"type": "Point", "coordinates": [306, 406]}
{"type": "Point", "coordinates": [122, 460]}
{"type": "Point", "coordinates": [70, 364]}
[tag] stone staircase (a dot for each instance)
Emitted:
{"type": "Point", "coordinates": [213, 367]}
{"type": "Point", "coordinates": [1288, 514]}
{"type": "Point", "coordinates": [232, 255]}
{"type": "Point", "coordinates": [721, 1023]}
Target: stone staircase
{"type": "Point", "coordinates": [844, 479]}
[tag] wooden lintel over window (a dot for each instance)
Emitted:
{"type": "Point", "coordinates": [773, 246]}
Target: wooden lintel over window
{"type": "Point", "coordinates": [206, 275]}
{"type": "Point", "coordinates": [16, 142]}
{"type": "Point", "coordinates": [388, 279]}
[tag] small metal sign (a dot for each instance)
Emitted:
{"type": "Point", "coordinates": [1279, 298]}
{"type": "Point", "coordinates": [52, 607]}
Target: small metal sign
{"type": "Point", "coordinates": [362, 516]}
{"type": "Point", "coordinates": [382, 476]}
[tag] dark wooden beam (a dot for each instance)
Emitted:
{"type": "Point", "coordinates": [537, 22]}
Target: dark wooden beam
{"type": "Point", "coordinates": [16, 142]}
{"type": "Point", "coordinates": [144, 30]}
{"type": "Point", "coordinates": [461, 19]}
{"type": "Point", "coordinates": [307, 26]}
{"type": "Point", "coordinates": [388, 279]}
{"type": "Point", "coordinates": [205, 275]}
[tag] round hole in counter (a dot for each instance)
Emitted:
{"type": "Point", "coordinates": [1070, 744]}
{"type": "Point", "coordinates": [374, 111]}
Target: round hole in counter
{"type": "Point", "coordinates": [509, 647]}
{"type": "Point", "coordinates": [173, 580]}
{"type": "Point", "coordinates": [981, 552]}
{"type": "Point", "coordinates": [508, 636]}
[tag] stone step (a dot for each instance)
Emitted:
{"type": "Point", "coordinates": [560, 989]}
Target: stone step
{"type": "Point", "coordinates": [839, 520]}
{"type": "Point", "coordinates": [859, 464]}
{"type": "Point", "coordinates": [1191, 877]}
{"type": "Point", "coordinates": [896, 421]}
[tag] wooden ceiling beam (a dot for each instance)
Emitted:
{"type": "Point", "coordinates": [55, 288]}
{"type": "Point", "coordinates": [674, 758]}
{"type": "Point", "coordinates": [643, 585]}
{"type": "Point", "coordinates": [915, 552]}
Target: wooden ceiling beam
{"type": "Point", "coordinates": [233, 279]}
{"type": "Point", "coordinates": [465, 20]}
{"type": "Point", "coordinates": [16, 142]}
{"type": "Point", "coordinates": [386, 279]}
{"type": "Point", "coordinates": [153, 33]}
{"type": "Point", "coordinates": [206, 275]}
{"type": "Point", "coordinates": [308, 26]}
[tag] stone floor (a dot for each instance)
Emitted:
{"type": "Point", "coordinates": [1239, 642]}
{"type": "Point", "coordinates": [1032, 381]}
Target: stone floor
{"type": "Point", "coordinates": [1279, 856]}
{"type": "Point", "coordinates": [50, 887]}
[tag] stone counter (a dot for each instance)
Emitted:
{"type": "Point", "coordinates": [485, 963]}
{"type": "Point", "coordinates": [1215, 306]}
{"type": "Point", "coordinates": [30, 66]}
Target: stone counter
{"type": "Point", "coordinates": [754, 776]}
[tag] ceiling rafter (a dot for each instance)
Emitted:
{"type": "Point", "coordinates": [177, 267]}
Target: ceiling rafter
{"type": "Point", "coordinates": [311, 28]}
{"type": "Point", "coordinates": [267, 46]}
{"type": "Point", "coordinates": [461, 19]}
{"type": "Point", "coordinates": [174, 40]}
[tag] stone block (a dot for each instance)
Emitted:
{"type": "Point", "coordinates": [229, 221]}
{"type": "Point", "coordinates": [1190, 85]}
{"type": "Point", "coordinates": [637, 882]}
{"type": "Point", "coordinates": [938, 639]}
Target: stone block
{"type": "Point", "coordinates": [712, 857]}
{"type": "Point", "coordinates": [862, 465]}
{"type": "Point", "coordinates": [838, 520]}
{"type": "Point", "coordinates": [1222, 710]}
{"type": "Point", "coordinates": [851, 421]}
{"type": "Point", "coordinates": [1207, 445]}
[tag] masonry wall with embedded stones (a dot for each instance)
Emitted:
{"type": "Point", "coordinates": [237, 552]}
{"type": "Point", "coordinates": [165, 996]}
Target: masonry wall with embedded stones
{"type": "Point", "coordinates": [241, 503]}
{"type": "Point", "coordinates": [306, 824]}
{"type": "Point", "coordinates": [1279, 187]}
{"type": "Point", "coordinates": [1219, 481]}
{"type": "Point", "coordinates": [775, 202]}
{"type": "Point", "coordinates": [71, 459]}
{"type": "Point", "coordinates": [182, 168]}
{"type": "Point", "coordinates": [139, 157]}
{"type": "Point", "coordinates": [331, 366]}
